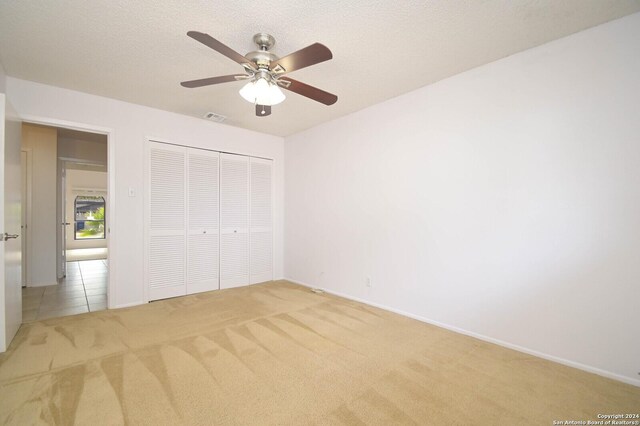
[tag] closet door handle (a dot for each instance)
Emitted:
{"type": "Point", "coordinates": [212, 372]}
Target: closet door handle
{"type": "Point", "coordinates": [10, 236]}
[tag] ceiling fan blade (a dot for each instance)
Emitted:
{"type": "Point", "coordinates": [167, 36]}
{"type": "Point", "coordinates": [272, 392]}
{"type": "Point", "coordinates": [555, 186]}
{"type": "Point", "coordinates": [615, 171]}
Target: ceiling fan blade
{"type": "Point", "coordinates": [308, 91]}
{"type": "Point", "coordinates": [214, 80]}
{"type": "Point", "coordinates": [211, 42]}
{"type": "Point", "coordinates": [310, 55]}
{"type": "Point", "coordinates": [263, 110]}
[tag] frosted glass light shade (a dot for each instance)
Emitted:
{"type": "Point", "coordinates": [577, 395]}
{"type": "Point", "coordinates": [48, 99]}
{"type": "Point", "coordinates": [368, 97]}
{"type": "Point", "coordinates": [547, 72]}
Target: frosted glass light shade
{"type": "Point", "coordinates": [262, 92]}
{"type": "Point", "coordinates": [248, 92]}
{"type": "Point", "coordinates": [275, 95]}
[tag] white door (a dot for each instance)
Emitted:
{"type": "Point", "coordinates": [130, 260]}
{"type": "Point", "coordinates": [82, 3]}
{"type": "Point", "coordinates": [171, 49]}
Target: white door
{"type": "Point", "coordinates": [234, 220]}
{"type": "Point", "coordinates": [61, 201]}
{"type": "Point", "coordinates": [10, 218]}
{"type": "Point", "coordinates": [24, 163]}
{"type": "Point", "coordinates": [261, 232]}
{"type": "Point", "coordinates": [203, 235]}
{"type": "Point", "coordinates": [167, 221]}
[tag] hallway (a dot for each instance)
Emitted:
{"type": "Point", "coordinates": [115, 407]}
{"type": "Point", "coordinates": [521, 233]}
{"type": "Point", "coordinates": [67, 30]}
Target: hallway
{"type": "Point", "coordinates": [83, 290]}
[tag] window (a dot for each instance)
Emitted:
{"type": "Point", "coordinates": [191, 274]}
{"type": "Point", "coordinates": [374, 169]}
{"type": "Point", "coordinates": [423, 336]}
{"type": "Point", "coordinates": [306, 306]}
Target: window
{"type": "Point", "coordinates": [89, 217]}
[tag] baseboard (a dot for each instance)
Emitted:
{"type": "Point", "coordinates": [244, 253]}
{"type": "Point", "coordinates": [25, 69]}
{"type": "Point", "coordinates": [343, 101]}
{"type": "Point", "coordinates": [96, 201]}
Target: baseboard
{"type": "Point", "coordinates": [126, 305]}
{"type": "Point", "coordinates": [41, 284]}
{"type": "Point", "coordinates": [563, 361]}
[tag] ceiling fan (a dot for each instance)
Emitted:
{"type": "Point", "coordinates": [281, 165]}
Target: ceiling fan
{"type": "Point", "coordinates": [266, 72]}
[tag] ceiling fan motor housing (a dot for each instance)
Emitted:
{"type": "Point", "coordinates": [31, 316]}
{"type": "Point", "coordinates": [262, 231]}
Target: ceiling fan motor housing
{"type": "Point", "coordinates": [262, 58]}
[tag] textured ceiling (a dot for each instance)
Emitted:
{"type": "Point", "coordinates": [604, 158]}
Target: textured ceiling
{"type": "Point", "coordinates": [138, 51]}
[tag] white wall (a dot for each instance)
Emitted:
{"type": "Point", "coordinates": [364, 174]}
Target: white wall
{"type": "Point", "coordinates": [41, 142]}
{"type": "Point", "coordinates": [83, 182]}
{"type": "Point", "coordinates": [3, 80]}
{"type": "Point", "coordinates": [130, 125]}
{"type": "Point", "coordinates": [503, 202]}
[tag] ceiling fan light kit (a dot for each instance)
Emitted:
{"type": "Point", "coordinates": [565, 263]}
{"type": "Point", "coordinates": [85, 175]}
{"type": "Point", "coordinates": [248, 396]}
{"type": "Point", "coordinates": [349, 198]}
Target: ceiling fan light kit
{"type": "Point", "coordinates": [266, 72]}
{"type": "Point", "coordinates": [262, 90]}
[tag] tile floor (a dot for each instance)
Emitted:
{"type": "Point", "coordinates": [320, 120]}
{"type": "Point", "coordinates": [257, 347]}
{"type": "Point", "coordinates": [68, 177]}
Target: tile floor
{"type": "Point", "coordinates": [83, 290]}
{"type": "Point", "coordinates": [74, 255]}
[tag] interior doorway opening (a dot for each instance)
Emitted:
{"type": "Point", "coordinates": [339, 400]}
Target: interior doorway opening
{"type": "Point", "coordinates": [85, 212]}
{"type": "Point", "coordinates": [65, 255]}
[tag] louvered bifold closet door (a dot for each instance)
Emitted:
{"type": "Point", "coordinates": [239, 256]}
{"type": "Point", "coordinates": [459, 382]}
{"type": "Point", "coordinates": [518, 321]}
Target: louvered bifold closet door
{"type": "Point", "coordinates": [261, 232]}
{"type": "Point", "coordinates": [167, 221]}
{"type": "Point", "coordinates": [203, 235]}
{"type": "Point", "coordinates": [234, 220]}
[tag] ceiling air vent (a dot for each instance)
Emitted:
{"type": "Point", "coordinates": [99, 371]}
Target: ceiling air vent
{"type": "Point", "coordinates": [215, 117]}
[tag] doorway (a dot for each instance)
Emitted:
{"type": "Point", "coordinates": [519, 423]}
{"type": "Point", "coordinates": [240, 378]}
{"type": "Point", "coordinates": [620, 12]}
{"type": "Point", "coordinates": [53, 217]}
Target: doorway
{"type": "Point", "coordinates": [84, 202]}
{"type": "Point", "coordinates": [66, 256]}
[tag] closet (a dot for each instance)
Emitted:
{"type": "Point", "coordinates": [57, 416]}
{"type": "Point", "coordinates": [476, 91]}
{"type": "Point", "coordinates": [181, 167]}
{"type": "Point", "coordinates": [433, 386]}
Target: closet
{"type": "Point", "coordinates": [234, 220]}
{"type": "Point", "coordinates": [209, 220]}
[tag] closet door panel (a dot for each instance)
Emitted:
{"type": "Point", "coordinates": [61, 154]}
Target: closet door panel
{"type": "Point", "coordinates": [261, 257]}
{"type": "Point", "coordinates": [167, 219]}
{"type": "Point", "coordinates": [203, 218]}
{"type": "Point", "coordinates": [166, 266]}
{"type": "Point", "coordinates": [234, 220]}
{"type": "Point", "coordinates": [261, 232]}
{"type": "Point", "coordinates": [234, 260]}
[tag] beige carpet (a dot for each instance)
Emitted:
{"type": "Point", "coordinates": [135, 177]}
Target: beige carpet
{"type": "Point", "coordinates": [277, 353]}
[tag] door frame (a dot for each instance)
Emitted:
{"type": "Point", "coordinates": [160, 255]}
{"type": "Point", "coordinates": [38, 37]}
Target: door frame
{"type": "Point", "coordinates": [61, 199]}
{"type": "Point", "coordinates": [26, 204]}
{"type": "Point", "coordinates": [111, 185]}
